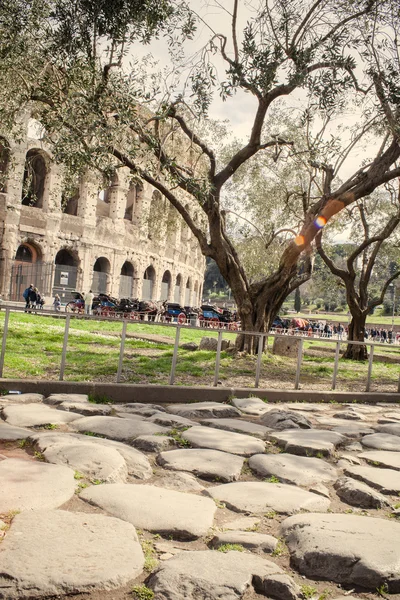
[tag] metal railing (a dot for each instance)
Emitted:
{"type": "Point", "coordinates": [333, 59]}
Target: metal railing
{"type": "Point", "coordinates": [262, 343]}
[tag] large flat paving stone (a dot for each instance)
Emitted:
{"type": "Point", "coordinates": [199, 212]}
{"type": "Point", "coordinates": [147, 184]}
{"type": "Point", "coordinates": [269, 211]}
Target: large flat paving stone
{"type": "Point", "coordinates": [178, 481]}
{"type": "Point", "coordinates": [137, 463]}
{"type": "Point", "coordinates": [347, 549]}
{"type": "Point", "coordinates": [251, 406]}
{"type": "Point", "coordinates": [204, 410]}
{"type": "Point", "coordinates": [21, 398]}
{"type": "Point", "coordinates": [36, 415]}
{"type": "Point", "coordinates": [59, 398]}
{"type": "Point", "coordinates": [386, 481]}
{"type": "Point", "coordinates": [382, 441]}
{"type": "Point", "coordinates": [28, 484]}
{"type": "Point", "coordinates": [11, 433]}
{"type": "Point", "coordinates": [86, 408]}
{"type": "Point", "coordinates": [260, 497]}
{"type": "Point", "coordinates": [289, 468]}
{"type": "Point", "coordinates": [280, 420]}
{"type": "Point", "coordinates": [213, 575]}
{"type": "Point", "coordinates": [171, 421]}
{"type": "Point", "coordinates": [359, 494]}
{"type": "Point", "coordinates": [308, 441]}
{"type": "Point", "coordinates": [139, 408]}
{"type": "Point", "coordinates": [209, 464]}
{"type": "Point", "coordinates": [227, 441]}
{"type": "Point", "coordinates": [383, 458]}
{"type": "Point", "coordinates": [238, 426]}
{"type": "Point", "coordinates": [61, 553]}
{"type": "Point", "coordinates": [182, 515]}
{"type": "Point", "coordinates": [392, 428]}
{"type": "Point", "coordinates": [123, 430]}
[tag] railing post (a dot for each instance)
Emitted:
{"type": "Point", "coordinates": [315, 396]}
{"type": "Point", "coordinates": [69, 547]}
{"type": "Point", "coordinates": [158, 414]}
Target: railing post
{"type": "Point", "coordinates": [299, 360]}
{"type": "Point", "coordinates": [218, 358]}
{"type": "Point", "coordinates": [370, 361]}
{"type": "Point", "coordinates": [3, 344]}
{"type": "Point", "coordinates": [121, 350]}
{"type": "Point", "coordinates": [175, 356]}
{"type": "Point", "coordinates": [259, 357]}
{"type": "Point", "coordinates": [64, 350]}
{"type": "Point", "coordinates": [336, 364]}
{"type": "Point", "coordinates": [398, 387]}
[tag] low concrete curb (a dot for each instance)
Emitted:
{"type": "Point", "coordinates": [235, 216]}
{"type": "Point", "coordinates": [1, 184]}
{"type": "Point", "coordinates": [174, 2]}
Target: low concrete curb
{"type": "Point", "coordinates": [167, 394]}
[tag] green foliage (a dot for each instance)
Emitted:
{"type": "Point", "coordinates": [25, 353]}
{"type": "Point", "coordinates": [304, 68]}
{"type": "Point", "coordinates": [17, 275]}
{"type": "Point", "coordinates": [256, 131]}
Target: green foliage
{"type": "Point", "coordinates": [50, 426]}
{"type": "Point", "coordinates": [229, 547]}
{"type": "Point", "coordinates": [99, 399]}
{"type": "Point", "coordinates": [142, 592]}
{"type": "Point", "coordinates": [150, 556]}
{"type": "Point", "coordinates": [272, 479]}
{"type": "Point", "coordinates": [308, 591]}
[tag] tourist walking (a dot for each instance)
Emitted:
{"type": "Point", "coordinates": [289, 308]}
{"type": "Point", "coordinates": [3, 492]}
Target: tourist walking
{"type": "Point", "coordinates": [88, 302]}
{"type": "Point", "coordinates": [57, 303]}
{"type": "Point", "coordinates": [25, 295]}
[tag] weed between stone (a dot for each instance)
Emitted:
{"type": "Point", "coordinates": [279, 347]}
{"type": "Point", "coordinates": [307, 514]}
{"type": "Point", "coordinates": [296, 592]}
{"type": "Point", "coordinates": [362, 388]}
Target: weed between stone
{"type": "Point", "coordinates": [229, 547]}
{"type": "Point", "coordinates": [142, 592]}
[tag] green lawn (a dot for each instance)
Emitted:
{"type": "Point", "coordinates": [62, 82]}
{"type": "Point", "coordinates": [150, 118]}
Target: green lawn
{"type": "Point", "coordinates": [34, 345]}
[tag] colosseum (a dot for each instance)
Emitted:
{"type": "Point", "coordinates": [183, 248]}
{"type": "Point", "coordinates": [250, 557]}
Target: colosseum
{"type": "Point", "coordinates": [123, 239]}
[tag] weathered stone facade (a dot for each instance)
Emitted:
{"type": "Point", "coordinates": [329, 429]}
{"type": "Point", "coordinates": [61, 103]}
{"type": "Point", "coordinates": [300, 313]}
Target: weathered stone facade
{"type": "Point", "coordinates": [125, 240]}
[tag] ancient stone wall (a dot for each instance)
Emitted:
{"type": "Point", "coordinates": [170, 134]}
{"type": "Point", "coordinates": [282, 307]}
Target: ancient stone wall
{"type": "Point", "coordinates": [123, 239]}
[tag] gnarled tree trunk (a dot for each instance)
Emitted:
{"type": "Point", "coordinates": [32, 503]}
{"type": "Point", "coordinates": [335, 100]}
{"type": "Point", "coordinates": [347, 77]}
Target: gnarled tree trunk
{"type": "Point", "coordinates": [357, 334]}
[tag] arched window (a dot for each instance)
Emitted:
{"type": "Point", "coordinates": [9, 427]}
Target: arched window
{"type": "Point", "coordinates": [177, 291]}
{"type": "Point", "coordinates": [166, 285]}
{"type": "Point", "coordinates": [66, 270]}
{"type": "Point", "coordinates": [126, 280]}
{"type": "Point", "coordinates": [101, 270]}
{"type": "Point", "coordinates": [70, 202]}
{"type": "Point", "coordinates": [149, 279]}
{"type": "Point", "coordinates": [187, 291]}
{"type": "Point", "coordinates": [24, 254]}
{"type": "Point", "coordinates": [35, 174]}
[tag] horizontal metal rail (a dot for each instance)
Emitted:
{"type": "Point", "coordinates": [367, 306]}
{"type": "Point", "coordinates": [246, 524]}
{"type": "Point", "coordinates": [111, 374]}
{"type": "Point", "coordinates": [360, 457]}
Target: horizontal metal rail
{"type": "Point", "coordinates": [262, 338]}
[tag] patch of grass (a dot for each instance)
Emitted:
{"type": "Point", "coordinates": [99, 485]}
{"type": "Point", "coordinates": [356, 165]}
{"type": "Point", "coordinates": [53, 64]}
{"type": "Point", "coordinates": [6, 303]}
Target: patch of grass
{"type": "Point", "coordinates": [308, 591]}
{"type": "Point", "coordinates": [99, 399]}
{"type": "Point", "coordinates": [142, 592]}
{"type": "Point", "coordinates": [39, 456]}
{"type": "Point", "coordinates": [78, 475]}
{"type": "Point", "coordinates": [150, 556]}
{"type": "Point", "coordinates": [270, 515]}
{"type": "Point", "coordinates": [176, 435]}
{"type": "Point", "coordinates": [281, 549]}
{"type": "Point", "coordinates": [272, 479]}
{"type": "Point", "coordinates": [96, 481]}
{"type": "Point", "coordinates": [23, 443]}
{"type": "Point", "coordinates": [219, 504]}
{"type": "Point", "coordinates": [382, 590]}
{"type": "Point", "coordinates": [229, 547]}
{"type": "Point", "coordinates": [81, 486]}
{"type": "Point", "coordinates": [93, 434]}
{"type": "Point", "coordinates": [50, 426]}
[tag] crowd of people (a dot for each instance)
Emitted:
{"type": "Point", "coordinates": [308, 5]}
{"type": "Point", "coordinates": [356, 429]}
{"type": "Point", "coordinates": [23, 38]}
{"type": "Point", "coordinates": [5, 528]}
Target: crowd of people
{"type": "Point", "coordinates": [324, 329]}
{"type": "Point", "coordinates": [33, 298]}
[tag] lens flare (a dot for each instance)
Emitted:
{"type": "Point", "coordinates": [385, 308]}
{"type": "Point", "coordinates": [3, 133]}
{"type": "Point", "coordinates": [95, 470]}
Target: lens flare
{"type": "Point", "coordinates": [299, 240]}
{"type": "Point", "coordinates": [320, 222]}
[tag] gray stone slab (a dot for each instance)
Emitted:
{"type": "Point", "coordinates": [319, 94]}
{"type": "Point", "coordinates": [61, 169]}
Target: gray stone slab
{"type": "Point", "coordinates": [22, 398]}
{"type": "Point", "coordinates": [349, 414]}
{"type": "Point", "coordinates": [137, 463]}
{"type": "Point", "coordinates": [204, 410]}
{"type": "Point", "coordinates": [11, 433]}
{"type": "Point", "coordinates": [227, 441]}
{"type": "Point", "coordinates": [61, 553]}
{"type": "Point", "coordinates": [392, 428]}
{"type": "Point", "coordinates": [247, 539]}
{"type": "Point", "coordinates": [59, 398]}
{"type": "Point", "coordinates": [308, 441]}
{"type": "Point", "coordinates": [171, 421]}
{"type": "Point", "coordinates": [154, 443]}
{"type": "Point", "coordinates": [353, 430]}
{"type": "Point", "coordinates": [359, 494]}
{"type": "Point", "coordinates": [94, 462]}
{"type": "Point", "coordinates": [382, 441]}
{"type": "Point", "coordinates": [312, 407]}
{"type": "Point", "coordinates": [383, 458]}
{"type": "Point", "coordinates": [239, 426]}
{"type": "Point", "coordinates": [86, 408]}
{"type": "Point", "coordinates": [31, 485]}
{"type": "Point", "coordinates": [124, 430]}
{"type": "Point", "coordinates": [251, 406]}
{"type": "Point", "coordinates": [155, 509]}
{"type": "Point", "coordinates": [280, 420]}
{"type": "Point", "coordinates": [140, 408]}
{"type": "Point", "coordinates": [180, 482]}
{"type": "Point", "coordinates": [289, 468]}
{"type": "Point", "coordinates": [390, 417]}
{"type": "Point", "coordinates": [386, 481]}
{"type": "Point", "coordinates": [208, 464]}
{"type": "Point", "coordinates": [261, 497]}
{"type": "Point", "coordinates": [347, 549]}
{"type": "Point", "coordinates": [213, 575]}
{"type": "Point", "coordinates": [36, 415]}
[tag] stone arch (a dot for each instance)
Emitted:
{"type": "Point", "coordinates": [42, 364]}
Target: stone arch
{"type": "Point", "coordinates": [126, 280]}
{"type": "Point", "coordinates": [148, 284]}
{"type": "Point", "coordinates": [4, 164]}
{"type": "Point", "coordinates": [36, 173]}
{"type": "Point", "coordinates": [101, 275]}
{"type": "Point", "coordinates": [70, 201]}
{"type": "Point", "coordinates": [28, 268]}
{"type": "Point", "coordinates": [66, 272]}
{"type": "Point", "coordinates": [177, 290]}
{"type": "Point", "coordinates": [166, 285]}
{"type": "Point", "coordinates": [188, 288]}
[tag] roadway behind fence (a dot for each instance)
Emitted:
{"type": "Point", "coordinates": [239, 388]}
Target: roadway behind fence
{"type": "Point", "coordinates": [262, 343]}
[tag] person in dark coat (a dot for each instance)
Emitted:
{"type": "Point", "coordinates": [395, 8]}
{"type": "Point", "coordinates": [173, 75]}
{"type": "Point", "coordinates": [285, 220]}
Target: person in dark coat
{"type": "Point", "coordinates": [25, 295]}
